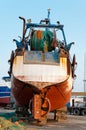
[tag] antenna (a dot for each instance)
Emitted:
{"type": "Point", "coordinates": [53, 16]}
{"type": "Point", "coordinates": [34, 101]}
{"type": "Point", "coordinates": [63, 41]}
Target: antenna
{"type": "Point", "coordinates": [84, 75]}
{"type": "Point", "coordinates": [85, 72]}
{"type": "Point", "coordinates": [48, 13]}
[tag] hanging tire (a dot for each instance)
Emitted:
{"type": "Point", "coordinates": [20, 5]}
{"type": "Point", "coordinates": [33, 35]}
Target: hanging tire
{"type": "Point", "coordinates": [83, 112]}
{"type": "Point", "coordinates": [76, 112]}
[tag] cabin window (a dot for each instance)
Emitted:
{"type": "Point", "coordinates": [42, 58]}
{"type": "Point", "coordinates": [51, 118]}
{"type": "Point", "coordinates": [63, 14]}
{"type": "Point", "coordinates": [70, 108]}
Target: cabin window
{"type": "Point", "coordinates": [39, 57]}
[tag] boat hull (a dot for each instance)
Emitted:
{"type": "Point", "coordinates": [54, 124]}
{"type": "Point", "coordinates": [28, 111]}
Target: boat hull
{"type": "Point", "coordinates": [4, 100]}
{"type": "Point", "coordinates": [5, 95]}
{"type": "Point", "coordinates": [40, 82]}
{"type": "Point", "coordinates": [57, 95]}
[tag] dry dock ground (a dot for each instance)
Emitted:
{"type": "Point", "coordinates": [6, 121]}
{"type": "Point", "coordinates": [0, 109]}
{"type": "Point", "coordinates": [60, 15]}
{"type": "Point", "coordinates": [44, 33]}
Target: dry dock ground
{"type": "Point", "coordinates": [71, 123]}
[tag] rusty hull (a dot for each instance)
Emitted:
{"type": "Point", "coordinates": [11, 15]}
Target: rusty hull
{"type": "Point", "coordinates": [52, 95]}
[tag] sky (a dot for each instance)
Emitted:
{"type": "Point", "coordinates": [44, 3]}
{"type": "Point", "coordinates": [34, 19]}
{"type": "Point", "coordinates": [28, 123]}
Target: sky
{"type": "Point", "coordinates": [70, 13]}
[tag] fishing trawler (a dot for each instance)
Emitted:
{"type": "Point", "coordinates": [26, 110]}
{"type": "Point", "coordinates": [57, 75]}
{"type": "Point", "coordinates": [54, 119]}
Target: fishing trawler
{"type": "Point", "coordinates": [42, 73]}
